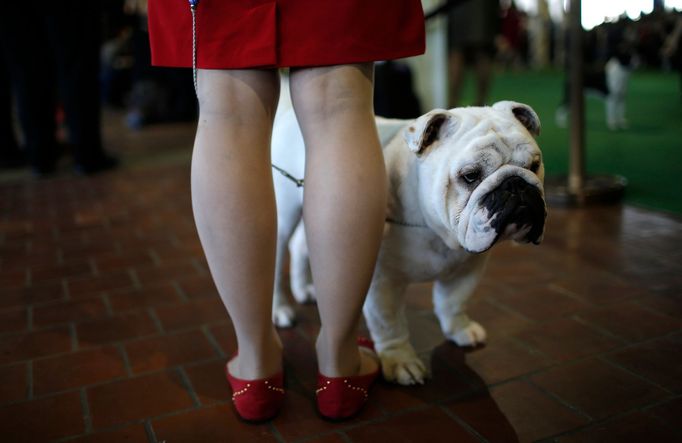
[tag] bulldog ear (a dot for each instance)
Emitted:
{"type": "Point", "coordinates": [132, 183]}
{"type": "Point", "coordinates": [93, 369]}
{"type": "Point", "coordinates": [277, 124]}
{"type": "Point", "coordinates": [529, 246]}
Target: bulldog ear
{"type": "Point", "coordinates": [523, 113]}
{"type": "Point", "coordinates": [426, 130]}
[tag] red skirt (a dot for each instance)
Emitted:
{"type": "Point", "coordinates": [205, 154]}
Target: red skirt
{"type": "Point", "coordinates": [235, 34]}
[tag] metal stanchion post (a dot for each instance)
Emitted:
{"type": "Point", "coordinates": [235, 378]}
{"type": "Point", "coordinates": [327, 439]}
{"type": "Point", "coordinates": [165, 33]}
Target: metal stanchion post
{"type": "Point", "coordinates": [576, 175]}
{"type": "Point", "coordinates": [579, 188]}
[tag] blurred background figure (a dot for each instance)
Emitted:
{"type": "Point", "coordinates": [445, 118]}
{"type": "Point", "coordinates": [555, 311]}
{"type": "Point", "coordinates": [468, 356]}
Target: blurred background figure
{"type": "Point", "coordinates": [10, 155]}
{"type": "Point", "coordinates": [53, 47]}
{"type": "Point", "coordinates": [394, 92]}
{"type": "Point", "coordinates": [473, 27]}
{"type": "Point", "coordinates": [148, 94]}
{"type": "Point", "coordinates": [609, 58]}
{"type": "Point", "coordinates": [672, 49]}
{"type": "Point", "coordinates": [512, 42]}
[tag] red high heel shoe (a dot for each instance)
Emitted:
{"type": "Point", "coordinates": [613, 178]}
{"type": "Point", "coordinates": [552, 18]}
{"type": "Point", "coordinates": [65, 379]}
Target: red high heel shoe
{"type": "Point", "coordinates": [257, 400]}
{"type": "Point", "coordinates": [339, 398]}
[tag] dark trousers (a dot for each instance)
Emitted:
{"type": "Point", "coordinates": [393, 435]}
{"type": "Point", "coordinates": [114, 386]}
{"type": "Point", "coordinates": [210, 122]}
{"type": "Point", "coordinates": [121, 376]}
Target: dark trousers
{"type": "Point", "coordinates": [8, 142]}
{"type": "Point", "coordinates": [51, 51]}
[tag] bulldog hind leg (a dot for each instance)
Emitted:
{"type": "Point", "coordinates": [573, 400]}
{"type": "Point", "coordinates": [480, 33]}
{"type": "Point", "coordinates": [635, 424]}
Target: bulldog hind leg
{"type": "Point", "coordinates": [283, 315]}
{"type": "Point", "coordinates": [299, 270]}
{"type": "Point", "coordinates": [449, 300]}
{"type": "Point", "coordinates": [384, 312]}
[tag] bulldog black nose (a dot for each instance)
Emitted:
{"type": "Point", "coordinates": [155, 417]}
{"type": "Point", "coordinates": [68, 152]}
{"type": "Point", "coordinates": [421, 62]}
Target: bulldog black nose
{"type": "Point", "coordinates": [515, 201]}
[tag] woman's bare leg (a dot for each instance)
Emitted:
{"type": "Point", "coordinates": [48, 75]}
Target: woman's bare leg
{"type": "Point", "coordinates": [344, 203]}
{"type": "Point", "coordinates": [234, 207]}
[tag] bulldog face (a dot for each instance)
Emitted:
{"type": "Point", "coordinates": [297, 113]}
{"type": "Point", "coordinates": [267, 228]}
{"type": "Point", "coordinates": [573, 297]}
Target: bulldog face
{"type": "Point", "coordinates": [480, 174]}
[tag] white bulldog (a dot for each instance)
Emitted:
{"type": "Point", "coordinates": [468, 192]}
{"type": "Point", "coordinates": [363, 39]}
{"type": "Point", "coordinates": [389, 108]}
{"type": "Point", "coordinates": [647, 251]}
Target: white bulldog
{"type": "Point", "coordinates": [460, 181]}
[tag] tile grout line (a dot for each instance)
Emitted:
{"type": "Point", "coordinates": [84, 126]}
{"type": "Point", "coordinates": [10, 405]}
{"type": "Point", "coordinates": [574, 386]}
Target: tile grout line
{"type": "Point", "coordinates": [213, 342]}
{"type": "Point", "coordinates": [29, 318]}
{"type": "Point", "coordinates": [95, 345]}
{"type": "Point", "coordinates": [65, 289]}
{"type": "Point", "coordinates": [87, 416]}
{"type": "Point", "coordinates": [107, 304]}
{"type": "Point", "coordinates": [629, 345]}
{"type": "Point", "coordinates": [598, 356]}
{"type": "Point", "coordinates": [593, 424]}
{"type": "Point", "coordinates": [645, 307]}
{"type": "Point", "coordinates": [88, 386]}
{"type": "Point", "coordinates": [532, 350]}
{"type": "Point", "coordinates": [463, 423]}
{"type": "Point", "coordinates": [74, 336]}
{"type": "Point", "coordinates": [613, 364]}
{"type": "Point", "coordinates": [568, 293]}
{"type": "Point", "coordinates": [135, 279]}
{"type": "Point", "coordinates": [596, 328]}
{"type": "Point", "coordinates": [149, 429]}
{"type": "Point", "coordinates": [93, 267]}
{"type": "Point", "coordinates": [561, 401]}
{"type": "Point", "coordinates": [126, 360]}
{"type": "Point", "coordinates": [275, 432]}
{"type": "Point", "coordinates": [177, 412]}
{"type": "Point", "coordinates": [187, 384]}
{"type": "Point", "coordinates": [181, 293]}
{"type": "Point", "coordinates": [29, 381]}
{"type": "Point", "coordinates": [156, 260]}
{"type": "Point", "coordinates": [197, 266]}
{"type": "Point", "coordinates": [500, 305]}
{"type": "Point", "coordinates": [313, 437]}
{"type": "Point", "coordinates": [659, 403]}
{"type": "Point", "coordinates": [156, 320]}
{"type": "Point", "coordinates": [384, 418]}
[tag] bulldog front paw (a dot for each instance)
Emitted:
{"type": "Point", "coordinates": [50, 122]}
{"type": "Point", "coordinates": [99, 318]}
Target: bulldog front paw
{"type": "Point", "coordinates": [304, 294]}
{"type": "Point", "coordinates": [472, 334]}
{"type": "Point", "coordinates": [283, 316]}
{"type": "Point", "coordinates": [402, 366]}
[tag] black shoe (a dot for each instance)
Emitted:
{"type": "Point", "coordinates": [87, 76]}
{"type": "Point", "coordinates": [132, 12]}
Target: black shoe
{"type": "Point", "coordinates": [102, 164]}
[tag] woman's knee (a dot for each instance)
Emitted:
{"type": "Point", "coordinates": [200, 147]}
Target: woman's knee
{"type": "Point", "coordinates": [238, 94]}
{"type": "Point", "coordinates": [325, 92]}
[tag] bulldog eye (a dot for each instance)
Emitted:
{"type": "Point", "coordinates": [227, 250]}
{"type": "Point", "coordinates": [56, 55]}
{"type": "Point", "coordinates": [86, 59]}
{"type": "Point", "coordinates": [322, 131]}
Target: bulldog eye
{"type": "Point", "coordinates": [535, 167]}
{"type": "Point", "coordinates": [471, 177]}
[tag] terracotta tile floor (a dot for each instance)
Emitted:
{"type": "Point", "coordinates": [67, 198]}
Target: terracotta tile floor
{"type": "Point", "coordinates": [111, 329]}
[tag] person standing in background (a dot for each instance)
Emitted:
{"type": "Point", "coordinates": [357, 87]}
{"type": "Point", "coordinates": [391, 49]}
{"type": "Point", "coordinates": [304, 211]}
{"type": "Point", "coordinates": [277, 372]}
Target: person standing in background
{"type": "Point", "coordinates": [473, 26]}
{"type": "Point", "coordinates": [48, 47]}
{"type": "Point", "coordinates": [11, 156]}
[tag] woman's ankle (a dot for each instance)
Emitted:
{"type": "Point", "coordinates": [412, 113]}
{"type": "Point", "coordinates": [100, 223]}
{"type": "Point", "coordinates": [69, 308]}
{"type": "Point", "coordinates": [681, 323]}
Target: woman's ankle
{"type": "Point", "coordinates": [338, 358]}
{"type": "Point", "coordinates": [257, 360]}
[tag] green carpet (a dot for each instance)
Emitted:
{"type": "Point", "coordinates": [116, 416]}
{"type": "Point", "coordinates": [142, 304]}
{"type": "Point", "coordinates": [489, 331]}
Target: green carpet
{"type": "Point", "coordinates": [648, 154]}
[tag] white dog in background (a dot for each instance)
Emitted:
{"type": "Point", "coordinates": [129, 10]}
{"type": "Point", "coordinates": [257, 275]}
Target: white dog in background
{"type": "Point", "coordinates": [610, 84]}
{"type": "Point", "coordinates": [460, 181]}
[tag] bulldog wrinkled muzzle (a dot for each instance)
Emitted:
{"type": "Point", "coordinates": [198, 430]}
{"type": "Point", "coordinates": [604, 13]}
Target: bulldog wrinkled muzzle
{"type": "Point", "coordinates": [517, 209]}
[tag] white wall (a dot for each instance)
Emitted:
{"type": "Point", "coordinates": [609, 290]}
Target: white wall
{"type": "Point", "coordinates": [430, 69]}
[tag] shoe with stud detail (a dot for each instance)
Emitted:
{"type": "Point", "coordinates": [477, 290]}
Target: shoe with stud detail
{"type": "Point", "coordinates": [339, 398]}
{"type": "Point", "coordinates": [257, 400]}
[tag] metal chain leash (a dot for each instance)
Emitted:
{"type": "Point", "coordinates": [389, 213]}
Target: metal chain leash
{"type": "Point", "coordinates": [193, 9]}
